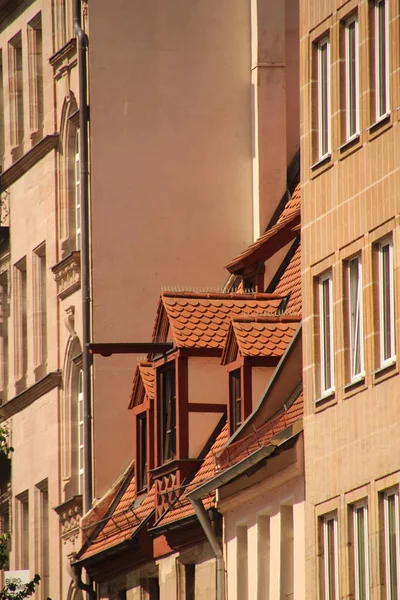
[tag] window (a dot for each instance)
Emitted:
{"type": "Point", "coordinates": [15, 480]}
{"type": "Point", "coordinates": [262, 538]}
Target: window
{"type": "Point", "coordinates": [80, 434]}
{"type": "Point", "coordinates": [21, 323]}
{"type": "Point", "coordinates": [141, 451]}
{"type": "Point", "coordinates": [190, 581]}
{"type": "Point", "coordinates": [355, 316]}
{"type": "Point", "coordinates": [386, 303]}
{"type": "Point", "coordinates": [40, 312]}
{"type": "Point", "coordinates": [77, 192]}
{"type": "Point", "coordinates": [326, 333]}
{"type": "Point", "coordinates": [60, 19]}
{"type": "Point", "coordinates": [352, 77]}
{"type": "Point", "coordinates": [241, 562]}
{"type": "Point", "coordinates": [35, 63]}
{"type": "Point", "coordinates": [150, 588]}
{"type": "Point", "coordinates": [392, 541]}
{"type": "Point", "coordinates": [2, 131]}
{"type": "Point", "coordinates": [167, 413]}
{"type": "Point", "coordinates": [16, 91]}
{"type": "Point", "coordinates": [42, 523]}
{"type": "Point", "coordinates": [360, 553]}
{"type": "Point", "coordinates": [381, 58]}
{"type": "Point", "coordinates": [323, 60]}
{"type": "Point", "coordinates": [4, 317]}
{"type": "Point", "coordinates": [235, 400]}
{"type": "Point", "coordinates": [22, 525]}
{"type": "Point", "coordinates": [330, 573]}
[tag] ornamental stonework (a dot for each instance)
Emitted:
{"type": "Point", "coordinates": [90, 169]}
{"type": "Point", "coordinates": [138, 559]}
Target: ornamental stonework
{"type": "Point", "coordinates": [70, 514]}
{"type": "Point", "coordinates": [67, 274]}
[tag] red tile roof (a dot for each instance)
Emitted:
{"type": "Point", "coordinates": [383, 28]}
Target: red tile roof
{"type": "Point", "coordinates": [182, 508]}
{"type": "Point", "coordinates": [264, 336]}
{"type": "Point", "coordinates": [123, 521]}
{"type": "Point", "coordinates": [262, 436]}
{"type": "Point", "coordinates": [143, 383]}
{"type": "Point", "coordinates": [290, 283]}
{"type": "Point", "coordinates": [273, 239]}
{"type": "Point", "coordinates": [202, 320]}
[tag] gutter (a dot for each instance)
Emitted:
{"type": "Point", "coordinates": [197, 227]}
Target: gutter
{"type": "Point", "coordinates": [82, 45]}
{"type": "Point", "coordinates": [228, 475]}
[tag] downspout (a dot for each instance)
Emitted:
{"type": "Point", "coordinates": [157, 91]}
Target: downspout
{"type": "Point", "coordinates": [216, 548]}
{"type": "Point", "coordinates": [77, 577]}
{"type": "Point", "coordinates": [82, 44]}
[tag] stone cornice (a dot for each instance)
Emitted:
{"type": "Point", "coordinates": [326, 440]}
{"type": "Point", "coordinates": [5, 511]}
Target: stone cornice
{"type": "Point", "coordinates": [67, 273]}
{"type": "Point", "coordinates": [28, 160]}
{"type": "Point", "coordinates": [69, 49]}
{"type": "Point", "coordinates": [28, 396]}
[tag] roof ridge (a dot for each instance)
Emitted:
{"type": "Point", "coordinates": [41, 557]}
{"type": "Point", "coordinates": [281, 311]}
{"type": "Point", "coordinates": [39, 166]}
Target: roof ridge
{"type": "Point", "coordinates": [267, 318]}
{"type": "Point", "coordinates": [221, 295]}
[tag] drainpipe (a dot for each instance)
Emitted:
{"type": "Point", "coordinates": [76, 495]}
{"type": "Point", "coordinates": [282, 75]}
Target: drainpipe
{"type": "Point", "coordinates": [77, 577]}
{"type": "Point", "coordinates": [216, 548]}
{"type": "Point", "coordinates": [82, 44]}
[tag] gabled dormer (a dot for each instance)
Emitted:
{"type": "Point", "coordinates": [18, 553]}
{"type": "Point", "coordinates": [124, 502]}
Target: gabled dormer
{"type": "Point", "coordinates": [190, 394]}
{"type": "Point", "coordinates": [142, 405]}
{"type": "Point", "coordinates": [254, 346]}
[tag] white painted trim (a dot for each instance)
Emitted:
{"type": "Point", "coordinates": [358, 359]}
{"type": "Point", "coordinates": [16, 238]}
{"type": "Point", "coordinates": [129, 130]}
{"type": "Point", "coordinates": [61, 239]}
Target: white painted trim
{"type": "Point", "coordinates": [324, 154]}
{"type": "Point", "coordinates": [349, 135]}
{"type": "Point", "coordinates": [389, 360]}
{"type": "Point", "coordinates": [326, 391]}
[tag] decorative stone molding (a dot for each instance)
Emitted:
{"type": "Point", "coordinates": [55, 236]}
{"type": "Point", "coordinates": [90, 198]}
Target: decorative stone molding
{"type": "Point", "coordinates": [67, 274]}
{"type": "Point", "coordinates": [28, 396]}
{"type": "Point", "coordinates": [70, 514]}
{"type": "Point", "coordinates": [28, 160]}
{"type": "Point", "coordinates": [66, 52]}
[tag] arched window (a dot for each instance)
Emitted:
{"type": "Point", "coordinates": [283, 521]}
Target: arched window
{"type": "Point", "coordinates": [72, 421]}
{"type": "Point", "coordinates": [80, 433]}
{"type": "Point", "coordinates": [77, 192]}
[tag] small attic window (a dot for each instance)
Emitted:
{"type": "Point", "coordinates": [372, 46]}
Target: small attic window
{"type": "Point", "coordinates": [283, 305]}
{"type": "Point", "coordinates": [235, 400]}
{"type": "Point", "coordinates": [166, 398]}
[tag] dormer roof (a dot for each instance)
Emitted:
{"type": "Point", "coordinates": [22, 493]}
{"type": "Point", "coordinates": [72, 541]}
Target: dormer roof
{"type": "Point", "coordinates": [143, 384]}
{"type": "Point", "coordinates": [259, 336]}
{"type": "Point", "coordinates": [201, 320]}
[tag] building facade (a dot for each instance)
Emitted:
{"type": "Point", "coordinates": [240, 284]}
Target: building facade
{"type": "Point", "coordinates": [350, 236]}
{"type": "Point", "coordinates": [178, 155]}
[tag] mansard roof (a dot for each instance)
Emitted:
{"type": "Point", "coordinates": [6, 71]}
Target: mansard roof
{"type": "Point", "coordinates": [275, 238]}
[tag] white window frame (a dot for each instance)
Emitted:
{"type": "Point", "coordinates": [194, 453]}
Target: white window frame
{"type": "Point", "coordinates": [382, 338]}
{"type": "Point", "coordinates": [381, 111]}
{"type": "Point", "coordinates": [324, 152]}
{"type": "Point", "coordinates": [356, 332]}
{"type": "Point", "coordinates": [389, 591]}
{"type": "Point", "coordinates": [326, 520]}
{"type": "Point", "coordinates": [351, 135]}
{"type": "Point", "coordinates": [363, 506]}
{"type": "Point", "coordinates": [326, 390]}
{"type": "Point", "coordinates": [80, 434]}
{"type": "Point", "coordinates": [78, 216]}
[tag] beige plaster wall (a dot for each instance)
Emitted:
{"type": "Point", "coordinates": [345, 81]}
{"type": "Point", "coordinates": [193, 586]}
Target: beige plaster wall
{"type": "Point", "coordinates": [207, 384]}
{"type": "Point", "coordinates": [245, 509]}
{"type": "Point", "coordinates": [174, 153]}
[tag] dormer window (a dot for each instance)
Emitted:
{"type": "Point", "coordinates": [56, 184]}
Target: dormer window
{"type": "Point", "coordinates": [141, 450]}
{"type": "Point", "coordinates": [235, 400]}
{"type": "Point", "coordinates": [166, 395]}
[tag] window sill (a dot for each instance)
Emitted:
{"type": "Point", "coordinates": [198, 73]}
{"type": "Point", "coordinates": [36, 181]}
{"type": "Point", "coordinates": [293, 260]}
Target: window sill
{"type": "Point", "coordinates": [386, 370]}
{"type": "Point", "coordinates": [326, 400]}
{"type": "Point", "coordinates": [350, 146]}
{"type": "Point", "coordinates": [322, 165]}
{"type": "Point", "coordinates": [379, 127]}
{"type": "Point", "coordinates": [355, 386]}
